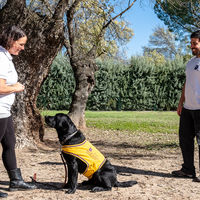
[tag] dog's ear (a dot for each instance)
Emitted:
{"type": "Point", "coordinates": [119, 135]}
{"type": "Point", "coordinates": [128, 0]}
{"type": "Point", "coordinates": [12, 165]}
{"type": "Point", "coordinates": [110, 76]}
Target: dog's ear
{"type": "Point", "coordinates": [71, 126]}
{"type": "Point", "coordinates": [64, 125]}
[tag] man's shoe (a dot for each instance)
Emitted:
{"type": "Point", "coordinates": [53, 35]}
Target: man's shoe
{"type": "Point", "coordinates": [3, 195]}
{"type": "Point", "coordinates": [182, 174]}
{"type": "Point", "coordinates": [197, 179]}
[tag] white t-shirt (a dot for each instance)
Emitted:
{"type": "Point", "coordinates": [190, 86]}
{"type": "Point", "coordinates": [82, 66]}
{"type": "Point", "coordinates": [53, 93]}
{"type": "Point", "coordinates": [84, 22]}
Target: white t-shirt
{"type": "Point", "coordinates": [7, 72]}
{"type": "Point", "coordinates": [192, 86]}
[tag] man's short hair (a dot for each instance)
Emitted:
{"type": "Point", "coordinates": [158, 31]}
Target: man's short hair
{"type": "Point", "coordinates": [195, 34]}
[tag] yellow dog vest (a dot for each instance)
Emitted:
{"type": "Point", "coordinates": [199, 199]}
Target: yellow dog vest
{"type": "Point", "coordinates": [88, 154]}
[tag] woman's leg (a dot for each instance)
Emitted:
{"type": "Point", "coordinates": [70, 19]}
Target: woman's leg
{"type": "Point", "coordinates": [9, 159]}
{"type": "Point", "coordinates": [8, 143]}
{"type": "Point", "coordinates": [3, 126]}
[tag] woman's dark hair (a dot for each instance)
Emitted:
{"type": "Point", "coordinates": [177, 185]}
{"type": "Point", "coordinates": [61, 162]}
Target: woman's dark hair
{"type": "Point", "coordinates": [10, 34]}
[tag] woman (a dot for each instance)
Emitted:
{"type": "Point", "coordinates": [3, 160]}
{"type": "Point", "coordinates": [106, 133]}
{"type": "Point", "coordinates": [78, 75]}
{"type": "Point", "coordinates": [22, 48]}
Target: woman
{"type": "Point", "coordinates": [12, 41]}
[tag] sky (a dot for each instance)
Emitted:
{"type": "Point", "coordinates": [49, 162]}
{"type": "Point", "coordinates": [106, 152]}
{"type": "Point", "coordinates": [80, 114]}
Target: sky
{"type": "Point", "coordinates": [143, 21]}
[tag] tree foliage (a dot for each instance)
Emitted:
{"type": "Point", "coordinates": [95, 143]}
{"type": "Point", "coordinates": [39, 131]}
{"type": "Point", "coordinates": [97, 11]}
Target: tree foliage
{"type": "Point", "coordinates": [162, 41]}
{"type": "Point", "coordinates": [94, 25]}
{"type": "Point", "coordinates": [179, 15]}
{"type": "Point", "coordinates": [88, 21]}
{"type": "Point", "coordinates": [167, 44]}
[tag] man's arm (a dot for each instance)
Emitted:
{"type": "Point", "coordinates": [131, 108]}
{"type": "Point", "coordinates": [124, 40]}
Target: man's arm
{"type": "Point", "coordinates": [181, 101]}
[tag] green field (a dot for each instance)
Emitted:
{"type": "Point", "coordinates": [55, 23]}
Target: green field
{"type": "Point", "coordinates": [133, 121]}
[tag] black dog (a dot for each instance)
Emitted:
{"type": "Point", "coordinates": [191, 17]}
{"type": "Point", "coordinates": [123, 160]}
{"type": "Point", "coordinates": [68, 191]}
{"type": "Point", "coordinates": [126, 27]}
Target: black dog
{"type": "Point", "coordinates": [102, 175]}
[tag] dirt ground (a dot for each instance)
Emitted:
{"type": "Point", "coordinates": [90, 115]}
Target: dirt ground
{"type": "Point", "coordinates": [146, 158]}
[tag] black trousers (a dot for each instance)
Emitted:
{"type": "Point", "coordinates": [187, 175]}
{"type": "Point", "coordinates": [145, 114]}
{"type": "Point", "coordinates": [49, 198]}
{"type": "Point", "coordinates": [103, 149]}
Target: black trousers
{"type": "Point", "coordinates": [189, 129]}
{"type": "Point", "coordinates": [8, 140]}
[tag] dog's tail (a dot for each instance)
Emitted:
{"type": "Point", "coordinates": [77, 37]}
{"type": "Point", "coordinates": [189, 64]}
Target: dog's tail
{"type": "Point", "coordinates": [125, 184]}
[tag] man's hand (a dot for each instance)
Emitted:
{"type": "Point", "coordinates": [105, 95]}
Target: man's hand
{"type": "Point", "coordinates": [179, 109]}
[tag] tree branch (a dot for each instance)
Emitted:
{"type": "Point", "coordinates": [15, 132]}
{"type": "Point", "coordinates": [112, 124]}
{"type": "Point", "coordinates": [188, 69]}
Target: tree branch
{"type": "Point", "coordinates": [67, 46]}
{"type": "Point", "coordinates": [120, 14]}
{"type": "Point", "coordinates": [60, 10]}
{"type": "Point", "coordinates": [46, 3]}
{"type": "Point", "coordinates": [16, 3]}
{"type": "Point", "coordinates": [93, 49]}
{"type": "Point", "coordinates": [70, 17]}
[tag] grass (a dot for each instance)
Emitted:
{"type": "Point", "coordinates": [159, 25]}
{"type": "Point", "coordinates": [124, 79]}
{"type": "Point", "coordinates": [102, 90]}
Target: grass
{"type": "Point", "coordinates": [134, 121]}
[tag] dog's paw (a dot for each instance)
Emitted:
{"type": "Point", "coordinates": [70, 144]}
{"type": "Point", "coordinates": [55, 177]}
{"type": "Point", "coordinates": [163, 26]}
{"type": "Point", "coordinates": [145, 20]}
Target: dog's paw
{"type": "Point", "coordinates": [99, 189]}
{"type": "Point", "coordinates": [85, 183]}
{"type": "Point", "coordinates": [66, 186]}
{"type": "Point", "coordinates": [70, 191]}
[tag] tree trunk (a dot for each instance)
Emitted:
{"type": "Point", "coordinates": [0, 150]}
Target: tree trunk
{"type": "Point", "coordinates": [45, 39]}
{"type": "Point", "coordinates": [84, 75]}
{"type": "Point", "coordinates": [83, 63]}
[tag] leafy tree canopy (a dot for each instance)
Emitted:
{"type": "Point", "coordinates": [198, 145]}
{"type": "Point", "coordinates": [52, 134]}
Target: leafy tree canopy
{"type": "Point", "coordinates": [88, 21]}
{"type": "Point", "coordinates": [166, 43]}
{"type": "Point", "coordinates": [179, 15]}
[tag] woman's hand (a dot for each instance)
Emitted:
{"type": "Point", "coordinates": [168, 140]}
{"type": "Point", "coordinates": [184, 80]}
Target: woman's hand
{"type": "Point", "coordinates": [8, 89]}
{"type": "Point", "coordinates": [18, 87]}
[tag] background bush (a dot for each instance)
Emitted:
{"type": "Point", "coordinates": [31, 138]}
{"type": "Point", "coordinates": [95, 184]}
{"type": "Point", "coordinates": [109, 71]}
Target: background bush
{"type": "Point", "coordinates": [139, 85]}
{"type": "Point", "coordinates": [57, 89]}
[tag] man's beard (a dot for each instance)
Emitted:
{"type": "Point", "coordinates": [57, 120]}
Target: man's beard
{"type": "Point", "coordinates": [196, 53]}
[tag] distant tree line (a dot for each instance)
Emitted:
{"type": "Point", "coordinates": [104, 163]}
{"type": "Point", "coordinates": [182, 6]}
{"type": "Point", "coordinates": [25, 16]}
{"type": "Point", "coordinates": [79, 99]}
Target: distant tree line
{"type": "Point", "coordinates": [138, 85]}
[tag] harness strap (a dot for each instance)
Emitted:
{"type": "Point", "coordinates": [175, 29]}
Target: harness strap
{"type": "Point", "coordinates": [66, 172]}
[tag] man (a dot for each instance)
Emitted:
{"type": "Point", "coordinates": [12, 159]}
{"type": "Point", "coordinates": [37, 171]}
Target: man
{"type": "Point", "coordinates": [189, 112]}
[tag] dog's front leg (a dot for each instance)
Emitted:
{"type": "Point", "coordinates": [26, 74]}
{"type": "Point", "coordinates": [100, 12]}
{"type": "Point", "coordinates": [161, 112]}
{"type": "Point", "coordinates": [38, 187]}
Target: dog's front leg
{"type": "Point", "coordinates": [72, 176]}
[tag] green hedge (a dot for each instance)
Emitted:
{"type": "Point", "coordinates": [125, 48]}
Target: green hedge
{"type": "Point", "coordinates": [135, 86]}
{"type": "Point", "coordinates": [57, 89]}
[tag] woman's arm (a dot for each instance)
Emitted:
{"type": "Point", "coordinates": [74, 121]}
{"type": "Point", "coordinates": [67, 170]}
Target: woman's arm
{"type": "Point", "coordinates": [8, 89]}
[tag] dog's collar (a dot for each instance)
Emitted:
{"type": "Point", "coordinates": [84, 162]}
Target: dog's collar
{"type": "Point", "coordinates": [69, 137]}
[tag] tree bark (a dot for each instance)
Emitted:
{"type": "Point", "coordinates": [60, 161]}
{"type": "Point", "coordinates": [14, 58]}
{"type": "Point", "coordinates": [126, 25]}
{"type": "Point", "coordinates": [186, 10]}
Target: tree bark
{"type": "Point", "coordinates": [84, 70]}
{"type": "Point", "coordinates": [45, 39]}
{"type": "Point", "coordinates": [83, 63]}
{"type": "Point", "coordinates": [84, 67]}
